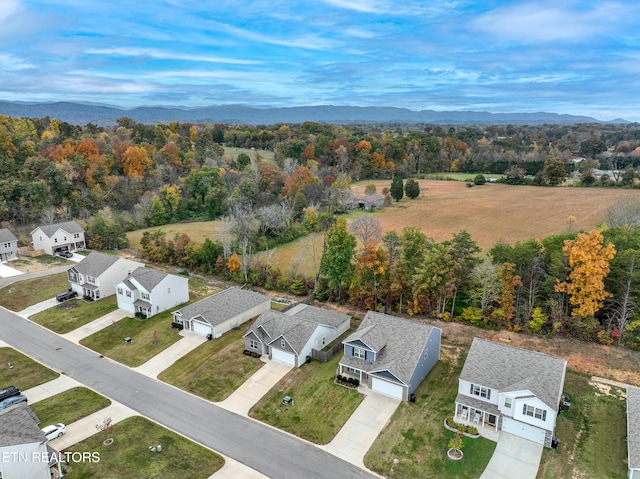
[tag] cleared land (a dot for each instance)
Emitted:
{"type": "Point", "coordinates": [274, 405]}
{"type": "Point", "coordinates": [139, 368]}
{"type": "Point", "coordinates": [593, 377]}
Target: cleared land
{"type": "Point", "coordinates": [69, 406]}
{"type": "Point", "coordinates": [22, 371]}
{"type": "Point", "coordinates": [19, 296]}
{"type": "Point", "coordinates": [72, 314]}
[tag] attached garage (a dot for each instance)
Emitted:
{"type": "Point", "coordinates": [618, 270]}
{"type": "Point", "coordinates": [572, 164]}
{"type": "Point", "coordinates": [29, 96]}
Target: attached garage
{"type": "Point", "coordinates": [201, 328]}
{"type": "Point", "coordinates": [283, 356]}
{"type": "Point", "coordinates": [517, 428]}
{"type": "Point", "coordinates": [387, 388]}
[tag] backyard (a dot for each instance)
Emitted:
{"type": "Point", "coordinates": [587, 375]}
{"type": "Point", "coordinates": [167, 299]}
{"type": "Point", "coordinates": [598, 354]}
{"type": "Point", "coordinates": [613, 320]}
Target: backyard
{"type": "Point", "coordinates": [19, 370]}
{"type": "Point", "coordinates": [72, 314]}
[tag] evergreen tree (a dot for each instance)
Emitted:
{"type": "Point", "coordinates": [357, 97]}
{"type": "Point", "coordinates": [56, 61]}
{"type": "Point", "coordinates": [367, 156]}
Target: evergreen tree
{"type": "Point", "coordinates": [397, 188]}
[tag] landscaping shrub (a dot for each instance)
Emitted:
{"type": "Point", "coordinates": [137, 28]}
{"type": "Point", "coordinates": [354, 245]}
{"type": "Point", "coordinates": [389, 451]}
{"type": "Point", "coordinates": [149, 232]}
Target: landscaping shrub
{"type": "Point", "coordinates": [177, 326]}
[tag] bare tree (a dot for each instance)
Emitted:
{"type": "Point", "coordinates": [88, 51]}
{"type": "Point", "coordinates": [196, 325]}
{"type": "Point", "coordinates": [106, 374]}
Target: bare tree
{"type": "Point", "coordinates": [486, 282]}
{"type": "Point", "coordinates": [624, 212]}
{"type": "Point", "coordinates": [622, 308]}
{"type": "Point", "coordinates": [366, 228]}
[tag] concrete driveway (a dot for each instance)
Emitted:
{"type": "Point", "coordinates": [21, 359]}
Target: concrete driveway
{"type": "Point", "coordinates": [96, 325]}
{"type": "Point", "coordinates": [7, 271]}
{"type": "Point", "coordinates": [51, 388]}
{"type": "Point", "coordinates": [38, 307]}
{"type": "Point", "coordinates": [166, 358]}
{"type": "Point", "coordinates": [512, 454]}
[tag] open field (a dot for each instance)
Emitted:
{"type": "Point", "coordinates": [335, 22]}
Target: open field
{"type": "Point", "coordinates": [69, 406]}
{"type": "Point", "coordinates": [23, 294]}
{"type": "Point", "coordinates": [24, 372]}
{"type": "Point", "coordinates": [72, 314]}
{"type": "Point", "coordinates": [231, 153]}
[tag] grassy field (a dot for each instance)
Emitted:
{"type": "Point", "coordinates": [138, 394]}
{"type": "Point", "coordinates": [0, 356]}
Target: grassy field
{"type": "Point", "coordinates": [214, 369]}
{"type": "Point", "coordinates": [458, 176]}
{"type": "Point", "coordinates": [21, 295]}
{"type": "Point", "coordinates": [320, 406]}
{"type": "Point", "coordinates": [72, 314]}
{"type": "Point", "coordinates": [129, 455]}
{"type": "Point", "coordinates": [69, 406]}
{"type": "Point", "coordinates": [198, 231]}
{"type": "Point", "coordinates": [24, 371]}
{"type": "Point", "coordinates": [231, 153]}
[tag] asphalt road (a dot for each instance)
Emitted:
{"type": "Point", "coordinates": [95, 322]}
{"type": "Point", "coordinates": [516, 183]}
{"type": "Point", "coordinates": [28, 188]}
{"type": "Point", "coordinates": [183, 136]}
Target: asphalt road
{"type": "Point", "coordinates": [269, 451]}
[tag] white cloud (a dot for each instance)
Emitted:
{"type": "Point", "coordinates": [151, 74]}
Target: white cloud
{"type": "Point", "coordinates": [149, 52]}
{"type": "Point", "coordinates": [11, 62]}
{"type": "Point", "coordinates": [8, 8]}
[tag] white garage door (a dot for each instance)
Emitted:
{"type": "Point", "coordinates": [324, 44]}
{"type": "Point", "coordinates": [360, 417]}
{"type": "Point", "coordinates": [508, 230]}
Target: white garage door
{"type": "Point", "coordinates": [387, 388]}
{"type": "Point", "coordinates": [521, 429]}
{"type": "Point", "coordinates": [283, 356]}
{"type": "Point", "coordinates": [201, 328]}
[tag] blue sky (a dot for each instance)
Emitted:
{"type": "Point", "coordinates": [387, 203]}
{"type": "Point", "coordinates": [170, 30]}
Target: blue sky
{"type": "Point", "coordinates": [563, 56]}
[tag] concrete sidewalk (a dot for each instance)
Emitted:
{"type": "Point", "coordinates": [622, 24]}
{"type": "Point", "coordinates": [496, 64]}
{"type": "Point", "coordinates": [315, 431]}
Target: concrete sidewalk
{"type": "Point", "coordinates": [94, 326]}
{"type": "Point", "coordinates": [51, 388]}
{"type": "Point", "coordinates": [38, 307]}
{"type": "Point", "coordinates": [363, 427]}
{"type": "Point", "coordinates": [514, 455]}
{"type": "Point", "coordinates": [233, 469]}
{"type": "Point", "coordinates": [166, 358]}
{"type": "Point", "coordinates": [243, 398]}
{"type": "Point", "coordinates": [7, 271]}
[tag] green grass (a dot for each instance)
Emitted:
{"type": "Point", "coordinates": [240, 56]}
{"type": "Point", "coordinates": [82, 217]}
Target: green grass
{"type": "Point", "coordinates": [21, 295]}
{"type": "Point", "coordinates": [69, 406]}
{"type": "Point", "coordinates": [415, 442]}
{"type": "Point", "coordinates": [25, 372]}
{"type": "Point", "coordinates": [592, 434]}
{"type": "Point", "coordinates": [214, 369]}
{"type": "Point", "coordinates": [320, 407]}
{"type": "Point", "coordinates": [129, 455]}
{"type": "Point", "coordinates": [459, 176]}
{"type": "Point", "coordinates": [232, 152]}
{"type": "Point", "coordinates": [72, 314]}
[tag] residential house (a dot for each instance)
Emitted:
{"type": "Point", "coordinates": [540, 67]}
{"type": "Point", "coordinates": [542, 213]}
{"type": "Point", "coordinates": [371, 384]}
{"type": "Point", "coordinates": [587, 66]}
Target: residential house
{"type": "Point", "coordinates": [149, 291]}
{"type": "Point", "coordinates": [221, 312]}
{"type": "Point", "coordinates": [8, 245]}
{"type": "Point", "coordinates": [633, 432]}
{"type": "Point", "coordinates": [511, 389]}
{"type": "Point", "coordinates": [24, 452]}
{"type": "Point", "coordinates": [68, 236]}
{"type": "Point", "coordinates": [291, 336]}
{"type": "Point", "coordinates": [97, 274]}
{"type": "Point", "coordinates": [391, 355]}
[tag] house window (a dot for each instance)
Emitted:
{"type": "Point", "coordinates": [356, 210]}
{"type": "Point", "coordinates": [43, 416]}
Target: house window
{"type": "Point", "coordinates": [120, 291]}
{"type": "Point", "coordinates": [65, 238]}
{"type": "Point", "coordinates": [55, 240]}
{"type": "Point", "coordinates": [324, 340]}
{"type": "Point", "coordinates": [507, 403]}
{"type": "Point", "coordinates": [359, 353]}
{"type": "Point", "coordinates": [426, 353]}
{"type": "Point", "coordinates": [168, 290]}
{"type": "Point", "coordinates": [480, 391]}
{"type": "Point", "coordinates": [145, 296]}
{"type": "Point", "coordinates": [76, 235]}
{"type": "Point", "coordinates": [91, 279]}
{"type": "Point", "coordinates": [534, 412]}
{"type": "Point", "coordinates": [7, 245]}
{"type": "Point", "coordinates": [128, 294]}
{"type": "Point", "coordinates": [283, 343]}
{"type": "Point", "coordinates": [253, 344]}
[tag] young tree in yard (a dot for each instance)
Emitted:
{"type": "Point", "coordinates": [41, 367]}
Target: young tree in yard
{"type": "Point", "coordinates": [397, 188]}
{"type": "Point", "coordinates": [336, 263]}
{"type": "Point", "coordinates": [589, 265]}
{"type": "Point", "coordinates": [412, 189]}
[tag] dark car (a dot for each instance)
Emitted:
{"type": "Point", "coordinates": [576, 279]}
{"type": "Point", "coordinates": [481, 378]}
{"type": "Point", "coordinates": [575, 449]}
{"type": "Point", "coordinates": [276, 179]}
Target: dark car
{"type": "Point", "coordinates": [65, 254]}
{"type": "Point", "coordinates": [66, 295]}
{"type": "Point", "coordinates": [5, 403]}
{"type": "Point", "coordinates": [8, 392]}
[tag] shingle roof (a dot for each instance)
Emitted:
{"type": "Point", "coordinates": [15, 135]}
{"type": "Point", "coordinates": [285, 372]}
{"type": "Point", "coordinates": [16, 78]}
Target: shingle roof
{"type": "Point", "coordinates": [507, 368]}
{"type": "Point", "coordinates": [633, 426]}
{"type": "Point", "coordinates": [6, 235]}
{"type": "Point", "coordinates": [19, 425]}
{"type": "Point", "coordinates": [318, 315]}
{"type": "Point", "coordinates": [399, 343]}
{"type": "Point", "coordinates": [147, 277]}
{"type": "Point", "coordinates": [95, 264]}
{"type": "Point", "coordinates": [68, 226]}
{"type": "Point", "coordinates": [224, 305]}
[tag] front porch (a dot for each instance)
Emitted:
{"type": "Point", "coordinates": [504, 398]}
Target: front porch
{"type": "Point", "coordinates": [485, 417]}
{"type": "Point", "coordinates": [354, 373]}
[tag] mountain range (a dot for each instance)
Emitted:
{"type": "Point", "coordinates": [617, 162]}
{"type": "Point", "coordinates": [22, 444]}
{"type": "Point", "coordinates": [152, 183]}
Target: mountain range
{"type": "Point", "coordinates": [103, 115]}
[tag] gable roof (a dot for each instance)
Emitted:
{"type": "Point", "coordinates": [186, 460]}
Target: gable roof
{"type": "Point", "coordinates": [318, 315]}
{"type": "Point", "coordinates": [19, 425]}
{"type": "Point", "coordinates": [507, 368]}
{"type": "Point", "coordinates": [68, 226]}
{"type": "Point", "coordinates": [398, 342]}
{"type": "Point", "coordinates": [633, 426]}
{"type": "Point", "coordinates": [95, 263]}
{"type": "Point", "coordinates": [147, 277]}
{"type": "Point", "coordinates": [6, 235]}
{"type": "Point", "coordinates": [226, 304]}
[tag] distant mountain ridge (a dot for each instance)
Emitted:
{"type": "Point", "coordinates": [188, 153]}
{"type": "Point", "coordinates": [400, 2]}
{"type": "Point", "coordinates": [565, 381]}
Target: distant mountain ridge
{"type": "Point", "coordinates": [78, 113]}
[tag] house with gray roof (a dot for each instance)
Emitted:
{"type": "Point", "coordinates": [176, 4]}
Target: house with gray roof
{"type": "Point", "coordinates": [149, 291]}
{"type": "Point", "coordinates": [98, 273]}
{"type": "Point", "coordinates": [633, 432]}
{"type": "Point", "coordinates": [391, 355]}
{"type": "Point", "coordinates": [8, 245]}
{"type": "Point", "coordinates": [24, 452]}
{"type": "Point", "coordinates": [511, 389]}
{"type": "Point", "coordinates": [290, 336]}
{"type": "Point", "coordinates": [217, 314]}
{"type": "Point", "coordinates": [67, 236]}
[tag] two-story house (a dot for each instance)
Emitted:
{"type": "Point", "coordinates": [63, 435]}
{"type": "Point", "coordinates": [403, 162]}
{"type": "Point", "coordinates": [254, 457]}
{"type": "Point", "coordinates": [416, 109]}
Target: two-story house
{"type": "Point", "coordinates": [149, 291]}
{"type": "Point", "coordinates": [96, 275]}
{"type": "Point", "coordinates": [511, 389]}
{"type": "Point", "coordinates": [8, 245]}
{"type": "Point", "coordinates": [391, 355]}
{"type": "Point", "coordinates": [67, 236]}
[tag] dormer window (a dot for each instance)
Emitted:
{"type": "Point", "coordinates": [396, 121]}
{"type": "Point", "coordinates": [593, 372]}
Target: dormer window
{"type": "Point", "coordinates": [283, 343]}
{"type": "Point", "coordinates": [359, 353]}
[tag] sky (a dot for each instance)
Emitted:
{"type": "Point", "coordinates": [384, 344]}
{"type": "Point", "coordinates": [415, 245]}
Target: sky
{"type": "Point", "coordinates": [563, 56]}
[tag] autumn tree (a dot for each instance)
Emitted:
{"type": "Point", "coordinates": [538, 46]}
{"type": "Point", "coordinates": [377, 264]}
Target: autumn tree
{"type": "Point", "coordinates": [370, 267]}
{"type": "Point", "coordinates": [135, 161]}
{"type": "Point", "coordinates": [554, 172]}
{"type": "Point", "coordinates": [509, 281]}
{"type": "Point", "coordinates": [298, 180]}
{"type": "Point", "coordinates": [589, 265]}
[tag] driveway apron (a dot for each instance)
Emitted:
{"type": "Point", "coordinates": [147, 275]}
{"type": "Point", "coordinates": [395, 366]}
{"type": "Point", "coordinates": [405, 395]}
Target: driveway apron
{"type": "Point", "coordinates": [166, 358]}
{"type": "Point", "coordinates": [514, 457]}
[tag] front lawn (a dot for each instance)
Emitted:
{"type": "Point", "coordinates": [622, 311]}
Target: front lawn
{"type": "Point", "coordinates": [72, 314]}
{"type": "Point", "coordinates": [415, 442]}
{"type": "Point", "coordinates": [214, 369]}
{"type": "Point", "coordinates": [21, 295]}
{"type": "Point", "coordinates": [320, 407]}
{"type": "Point", "coordinates": [129, 456]}
{"type": "Point", "coordinates": [69, 406]}
{"type": "Point", "coordinates": [16, 369]}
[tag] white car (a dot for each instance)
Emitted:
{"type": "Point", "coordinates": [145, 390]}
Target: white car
{"type": "Point", "coordinates": [53, 431]}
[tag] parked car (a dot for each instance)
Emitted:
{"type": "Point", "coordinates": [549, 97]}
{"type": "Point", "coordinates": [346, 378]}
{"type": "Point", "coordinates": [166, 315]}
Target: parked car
{"type": "Point", "coordinates": [55, 430]}
{"type": "Point", "coordinates": [65, 254]}
{"type": "Point", "coordinates": [5, 403]}
{"type": "Point", "coordinates": [8, 392]}
{"type": "Point", "coordinates": [66, 295]}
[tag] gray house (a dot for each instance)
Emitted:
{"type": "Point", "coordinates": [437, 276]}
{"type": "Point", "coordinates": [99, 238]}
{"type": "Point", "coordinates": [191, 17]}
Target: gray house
{"type": "Point", "coordinates": [97, 274]}
{"type": "Point", "coordinates": [8, 245]}
{"type": "Point", "coordinates": [67, 236]}
{"type": "Point", "coordinates": [391, 355]}
{"type": "Point", "coordinates": [633, 432]}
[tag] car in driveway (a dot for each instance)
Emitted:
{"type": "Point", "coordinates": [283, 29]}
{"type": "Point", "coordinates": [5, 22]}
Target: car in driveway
{"type": "Point", "coordinates": [8, 392]}
{"type": "Point", "coordinates": [66, 295]}
{"type": "Point", "coordinates": [65, 254]}
{"type": "Point", "coordinates": [5, 403]}
{"type": "Point", "coordinates": [54, 430]}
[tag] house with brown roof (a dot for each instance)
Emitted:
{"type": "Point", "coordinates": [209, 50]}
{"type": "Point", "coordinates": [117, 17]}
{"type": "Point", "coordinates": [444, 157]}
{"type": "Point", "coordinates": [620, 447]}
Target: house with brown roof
{"type": "Point", "coordinates": [149, 291]}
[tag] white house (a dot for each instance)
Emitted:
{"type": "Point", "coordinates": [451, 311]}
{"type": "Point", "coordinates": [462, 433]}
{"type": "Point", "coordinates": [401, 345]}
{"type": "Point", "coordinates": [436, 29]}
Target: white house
{"type": "Point", "coordinates": [289, 337]}
{"type": "Point", "coordinates": [633, 432]}
{"type": "Point", "coordinates": [68, 236]}
{"type": "Point", "coordinates": [511, 389]}
{"type": "Point", "coordinates": [221, 312]}
{"type": "Point", "coordinates": [96, 275]}
{"type": "Point", "coordinates": [150, 291]}
{"type": "Point", "coordinates": [24, 452]}
{"type": "Point", "coordinates": [8, 245]}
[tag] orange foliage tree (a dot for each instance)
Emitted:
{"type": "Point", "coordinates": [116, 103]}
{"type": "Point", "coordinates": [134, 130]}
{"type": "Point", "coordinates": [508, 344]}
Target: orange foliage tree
{"type": "Point", "coordinates": [508, 282]}
{"type": "Point", "coordinates": [134, 161]}
{"type": "Point", "coordinates": [298, 180]}
{"type": "Point", "coordinates": [233, 263]}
